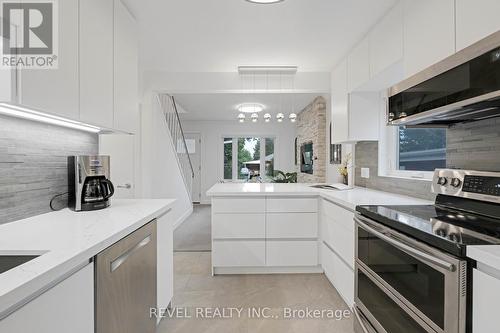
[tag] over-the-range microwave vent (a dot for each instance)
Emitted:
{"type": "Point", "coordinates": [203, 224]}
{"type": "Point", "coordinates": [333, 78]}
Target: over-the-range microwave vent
{"type": "Point", "coordinates": [464, 87]}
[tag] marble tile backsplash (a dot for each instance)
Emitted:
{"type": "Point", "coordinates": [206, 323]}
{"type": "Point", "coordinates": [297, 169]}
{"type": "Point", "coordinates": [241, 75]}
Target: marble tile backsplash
{"type": "Point", "coordinates": [474, 146]}
{"type": "Point", "coordinates": [33, 164]}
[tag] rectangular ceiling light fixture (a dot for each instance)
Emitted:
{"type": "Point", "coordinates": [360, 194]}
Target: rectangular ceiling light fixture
{"type": "Point", "coordinates": [26, 113]}
{"type": "Point", "coordinates": [284, 70]}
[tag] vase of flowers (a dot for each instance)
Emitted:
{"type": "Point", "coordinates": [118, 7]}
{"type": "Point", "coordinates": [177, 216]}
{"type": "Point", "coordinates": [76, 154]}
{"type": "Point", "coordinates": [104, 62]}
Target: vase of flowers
{"type": "Point", "coordinates": [344, 169]}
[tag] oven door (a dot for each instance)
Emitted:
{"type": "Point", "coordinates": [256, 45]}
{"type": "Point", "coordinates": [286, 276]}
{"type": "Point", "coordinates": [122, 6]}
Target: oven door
{"type": "Point", "coordinates": [403, 285]}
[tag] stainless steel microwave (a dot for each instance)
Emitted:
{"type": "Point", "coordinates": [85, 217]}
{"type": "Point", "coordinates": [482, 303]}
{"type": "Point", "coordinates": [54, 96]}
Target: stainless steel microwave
{"type": "Point", "coordinates": [463, 87]}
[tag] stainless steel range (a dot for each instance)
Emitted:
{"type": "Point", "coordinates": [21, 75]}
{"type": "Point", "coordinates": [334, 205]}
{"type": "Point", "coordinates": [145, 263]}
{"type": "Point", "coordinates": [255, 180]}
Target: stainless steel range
{"type": "Point", "coordinates": [412, 273]}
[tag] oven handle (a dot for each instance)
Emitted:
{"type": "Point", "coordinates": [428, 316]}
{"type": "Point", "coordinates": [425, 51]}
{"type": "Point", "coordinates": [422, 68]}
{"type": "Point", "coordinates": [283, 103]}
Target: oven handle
{"type": "Point", "coordinates": [405, 248]}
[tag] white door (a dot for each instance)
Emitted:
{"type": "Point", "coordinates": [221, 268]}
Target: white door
{"type": "Point", "coordinates": [121, 150]}
{"type": "Point", "coordinates": [193, 142]}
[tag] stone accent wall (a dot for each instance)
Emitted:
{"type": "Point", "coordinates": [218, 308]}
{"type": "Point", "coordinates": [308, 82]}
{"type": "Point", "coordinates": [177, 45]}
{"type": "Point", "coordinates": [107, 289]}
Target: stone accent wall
{"type": "Point", "coordinates": [474, 146]}
{"type": "Point", "coordinates": [311, 127]}
{"type": "Point", "coordinates": [33, 165]}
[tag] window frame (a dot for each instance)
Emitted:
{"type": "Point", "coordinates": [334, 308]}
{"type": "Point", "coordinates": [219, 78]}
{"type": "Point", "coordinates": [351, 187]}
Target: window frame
{"type": "Point", "coordinates": [262, 167]}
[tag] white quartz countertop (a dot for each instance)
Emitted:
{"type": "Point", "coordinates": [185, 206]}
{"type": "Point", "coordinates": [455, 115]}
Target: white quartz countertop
{"type": "Point", "coordinates": [488, 255]}
{"type": "Point", "coordinates": [347, 198]}
{"type": "Point", "coordinates": [67, 239]}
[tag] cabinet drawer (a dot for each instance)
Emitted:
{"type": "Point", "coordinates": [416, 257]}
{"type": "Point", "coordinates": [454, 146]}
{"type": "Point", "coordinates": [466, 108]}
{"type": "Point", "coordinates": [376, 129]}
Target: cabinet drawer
{"type": "Point", "coordinates": [339, 238]}
{"type": "Point", "coordinates": [340, 275]}
{"type": "Point", "coordinates": [239, 205]}
{"type": "Point", "coordinates": [486, 301]}
{"type": "Point", "coordinates": [237, 253]}
{"type": "Point", "coordinates": [292, 253]}
{"type": "Point", "coordinates": [239, 225]}
{"type": "Point", "coordinates": [341, 215]}
{"type": "Point", "coordinates": [292, 225]}
{"type": "Point", "coordinates": [292, 205]}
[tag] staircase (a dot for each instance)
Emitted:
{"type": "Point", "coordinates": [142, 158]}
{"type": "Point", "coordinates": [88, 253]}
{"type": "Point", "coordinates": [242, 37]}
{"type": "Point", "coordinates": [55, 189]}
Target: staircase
{"type": "Point", "coordinates": [169, 108]}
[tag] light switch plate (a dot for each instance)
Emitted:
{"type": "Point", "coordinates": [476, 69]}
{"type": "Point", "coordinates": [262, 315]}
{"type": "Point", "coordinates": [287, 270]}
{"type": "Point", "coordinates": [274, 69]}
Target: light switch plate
{"type": "Point", "coordinates": [365, 172]}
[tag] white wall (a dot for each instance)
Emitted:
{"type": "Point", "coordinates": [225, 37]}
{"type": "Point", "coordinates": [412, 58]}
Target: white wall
{"type": "Point", "coordinates": [161, 175]}
{"type": "Point", "coordinates": [212, 133]}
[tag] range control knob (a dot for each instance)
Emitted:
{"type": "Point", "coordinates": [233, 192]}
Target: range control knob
{"type": "Point", "coordinates": [455, 182]}
{"type": "Point", "coordinates": [442, 181]}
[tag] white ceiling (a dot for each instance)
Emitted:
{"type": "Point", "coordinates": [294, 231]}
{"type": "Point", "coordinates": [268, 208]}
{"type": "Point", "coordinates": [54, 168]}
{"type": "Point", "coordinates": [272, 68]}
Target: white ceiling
{"type": "Point", "coordinates": [224, 106]}
{"type": "Point", "coordinates": [219, 35]}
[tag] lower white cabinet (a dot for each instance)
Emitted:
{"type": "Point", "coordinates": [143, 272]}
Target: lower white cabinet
{"type": "Point", "coordinates": [239, 253]}
{"type": "Point", "coordinates": [66, 307]}
{"type": "Point", "coordinates": [340, 274]}
{"type": "Point", "coordinates": [237, 226]}
{"type": "Point", "coordinates": [292, 225]}
{"type": "Point", "coordinates": [291, 253]}
{"type": "Point", "coordinates": [165, 258]}
{"type": "Point", "coordinates": [486, 302]}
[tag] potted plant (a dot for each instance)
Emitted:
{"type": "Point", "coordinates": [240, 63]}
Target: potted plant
{"type": "Point", "coordinates": [344, 169]}
{"type": "Point", "coordinates": [284, 177]}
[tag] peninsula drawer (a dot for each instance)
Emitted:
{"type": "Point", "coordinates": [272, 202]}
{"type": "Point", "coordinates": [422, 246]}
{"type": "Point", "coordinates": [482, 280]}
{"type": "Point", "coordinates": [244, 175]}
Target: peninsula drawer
{"type": "Point", "coordinates": [292, 225]}
{"type": "Point", "coordinates": [239, 253]}
{"type": "Point", "coordinates": [291, 253]}
{"type": "Point", "coordinates": [239, 225]}
{"type": "Point", "coordinates": [339, 238]}
{"type": "Point", "coordinates": [292, 205]}
{"type": "Point", "coordinates": [341, 215]}
{"type": "Point", "coordinates": [238, 205]}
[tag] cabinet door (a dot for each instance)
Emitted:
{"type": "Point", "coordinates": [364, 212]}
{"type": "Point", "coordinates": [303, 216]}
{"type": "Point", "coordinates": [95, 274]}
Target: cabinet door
{"type": "Point", "coordinates": [364, 116]}
{"type": "Point", "coordinates": [340, 104]}
{"type": "Point", "coordinates": [67, 307]}
{"type": "Point", "coordinates": [359, 65]}
{"type": "Point", "coordinates": [386, 41]}
{"type": "Point", "coordinates": [476, 20]}
{"type": "Point", "coordinates": [96, 62]}
{"type": "Point", "coordinates": [56, 90]}
{"type": "Point", "coordinates": [126, 107]}
{"type": "Point", "coordinates": [429, 33]}
{"type": "Point", "coordinates": [486, 302]}
{"type": "Point", "coordinates": [165, 261]}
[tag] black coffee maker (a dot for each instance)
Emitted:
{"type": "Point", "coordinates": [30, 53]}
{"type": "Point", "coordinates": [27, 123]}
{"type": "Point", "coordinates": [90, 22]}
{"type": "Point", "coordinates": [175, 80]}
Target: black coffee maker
{"type": "Point", "coordinates": [88, 182]}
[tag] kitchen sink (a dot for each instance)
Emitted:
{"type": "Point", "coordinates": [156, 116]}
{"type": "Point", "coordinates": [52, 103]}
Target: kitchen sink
{"type": "Point", "coordinates": [7, 262]}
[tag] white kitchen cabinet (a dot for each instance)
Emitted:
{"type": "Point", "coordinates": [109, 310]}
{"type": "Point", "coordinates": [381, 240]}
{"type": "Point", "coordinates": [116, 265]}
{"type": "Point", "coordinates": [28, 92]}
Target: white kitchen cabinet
{"type": "Point", "coordinates": [234, 226]}
{"type": "Point", "coordinates": [429, 33]}
{"type": "Point", "coordinates": [386, 41]}
{"type": "Point", "coordinates": [56, 90]}
{"type": "Point", "coordinates": [475, 20]}
{"type": "Point", "coordinates": [338, 273]}
{"type": "Point", "coordinates": [165, 258]}
{"type": "Point", "coordinates": [340, 103]}
{"type": "Point", "coordinates": [238, 205]}
{"type": "Point", "coordinates": [96, 62]}
{"type": "Point", "coordinates": [126, 70]}
{"type": "Point", "coordinates": [66, 307]}
{"type": "Point", "coordinates": [239, 253]}
{"type": "Point", "coordinates": [291, 253]}
{"type": "Point", "coordinates": [358, 65]}
{"type": "Point", "coordinates": [292, 205]}
{"type": "Point", "coordinates": [486, 302]}
{"type": "Point", "coordinates": [292, 225]}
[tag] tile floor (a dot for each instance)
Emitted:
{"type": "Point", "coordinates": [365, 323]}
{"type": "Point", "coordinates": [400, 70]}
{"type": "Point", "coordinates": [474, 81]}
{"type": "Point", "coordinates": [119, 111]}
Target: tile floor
{"type": "Point", "coordinates": [195, 233]}
{"type": "Point", "coordinates": [195, 287]}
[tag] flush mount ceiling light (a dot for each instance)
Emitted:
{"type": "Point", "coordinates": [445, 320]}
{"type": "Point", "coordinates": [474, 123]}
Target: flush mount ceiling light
{"type": "Point", "coordinates": [25, 113]}
{"type": "Point", "coordinates": [250, 108]}
{"type": "Point", "coordinates": [254, 117]}
{"type": "Point", "coordinates": [241, 118]}
{"type": "Point", "coordinates": [265, 2]}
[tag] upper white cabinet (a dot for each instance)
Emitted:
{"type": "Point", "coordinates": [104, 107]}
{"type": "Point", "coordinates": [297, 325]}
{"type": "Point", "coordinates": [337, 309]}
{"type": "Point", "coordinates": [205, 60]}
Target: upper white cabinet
{"type": "Point", "coordinates": [56, 90]}
{"type": "Point", "coordinates": [340, 103]}
{"type": "Point", "coordinates": [476, 20]}
{"type": "Point", "coordinates": [96, 62]}
{"type": "Point", "coordinates": [429, 33]}
{"type": "Point", "coordinates": [126, 106]}
{"type": "Point", "coordinates": [386, 41]}
{"type": "Point", "coordinates": [358, 65]}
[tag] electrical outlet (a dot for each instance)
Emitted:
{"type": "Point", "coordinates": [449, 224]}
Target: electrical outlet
{"type": "Point", "coordinates": [365, 172]}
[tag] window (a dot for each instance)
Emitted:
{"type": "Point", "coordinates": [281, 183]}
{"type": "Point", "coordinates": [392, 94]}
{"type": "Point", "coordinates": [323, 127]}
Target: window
{"type": "Point", "coordinates": [421, 149]}
{"type": "Point", "coordinates": [248, 157]}
{"type": "Point", "coordinates": [411, 152]}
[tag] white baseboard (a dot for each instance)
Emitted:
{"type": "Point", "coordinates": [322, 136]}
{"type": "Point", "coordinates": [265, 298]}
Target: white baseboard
{"type": "Point", "coordinates": [183, 218]}
{"type": "Point", "coordinates": [268, 270]}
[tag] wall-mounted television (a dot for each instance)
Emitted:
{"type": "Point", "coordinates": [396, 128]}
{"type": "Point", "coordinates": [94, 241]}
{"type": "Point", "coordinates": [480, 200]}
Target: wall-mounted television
{"type": "Point", "coordinates": [306, 158]}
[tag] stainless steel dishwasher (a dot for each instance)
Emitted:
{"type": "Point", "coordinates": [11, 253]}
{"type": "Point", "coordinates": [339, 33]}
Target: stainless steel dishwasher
{"type": "Point", "coordinates": [126, 284]}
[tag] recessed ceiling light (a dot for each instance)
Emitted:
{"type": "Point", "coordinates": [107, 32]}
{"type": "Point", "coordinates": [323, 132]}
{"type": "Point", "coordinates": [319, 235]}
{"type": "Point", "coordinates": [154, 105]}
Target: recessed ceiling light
{"type": "Point", "coordinates": [265, 1]}
{"type": "Point", "coordinates": [250, 108]}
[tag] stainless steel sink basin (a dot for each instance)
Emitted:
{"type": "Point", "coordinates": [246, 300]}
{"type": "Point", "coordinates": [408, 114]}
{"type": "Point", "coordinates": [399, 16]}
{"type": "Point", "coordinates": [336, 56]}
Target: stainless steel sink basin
{"type": "Point", "coordinates": [324, 187]}
{"type": "Point", "coordinates": [8, 262]}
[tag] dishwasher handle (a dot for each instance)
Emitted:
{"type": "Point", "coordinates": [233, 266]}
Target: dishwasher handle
{"type": "Point", "coordinates": [122, 258]}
